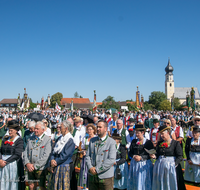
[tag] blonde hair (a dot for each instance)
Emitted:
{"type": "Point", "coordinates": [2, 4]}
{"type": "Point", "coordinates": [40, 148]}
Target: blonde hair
{"type": "Point", "coordinates": [168, 121]}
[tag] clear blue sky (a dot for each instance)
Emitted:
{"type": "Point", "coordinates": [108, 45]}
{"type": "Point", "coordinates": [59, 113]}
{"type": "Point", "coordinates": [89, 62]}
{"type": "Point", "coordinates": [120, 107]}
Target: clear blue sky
{"type": "Point", "coordinates": [111, 46]}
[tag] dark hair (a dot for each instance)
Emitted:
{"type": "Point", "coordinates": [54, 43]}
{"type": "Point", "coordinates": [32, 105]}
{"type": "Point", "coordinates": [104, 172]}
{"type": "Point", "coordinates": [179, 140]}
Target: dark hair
{"type": "Point", "coordinates": [104, 122]}
{"type": "Point", "coordinates": [115, 114]}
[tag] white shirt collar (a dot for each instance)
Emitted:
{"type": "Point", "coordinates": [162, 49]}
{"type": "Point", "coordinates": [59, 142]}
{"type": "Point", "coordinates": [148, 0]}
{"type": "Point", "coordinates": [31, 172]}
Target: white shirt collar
{"type": "Point", "coordinates": [41, 136]}
{"type": "Point", "coordinates": [103, 138]}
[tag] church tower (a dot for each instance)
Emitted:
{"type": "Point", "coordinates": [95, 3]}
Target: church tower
{"type": "Point", "coordinates": [169, 81]}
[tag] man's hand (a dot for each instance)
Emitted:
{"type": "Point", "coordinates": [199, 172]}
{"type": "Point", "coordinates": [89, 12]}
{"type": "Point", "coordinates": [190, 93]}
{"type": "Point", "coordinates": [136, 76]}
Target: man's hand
{"type": "Point", "coordinates": [93, 171]}
{"type": "Point", "coordinates": [30, 167]}
{"type": "Point", "coordinates": [53, 163]}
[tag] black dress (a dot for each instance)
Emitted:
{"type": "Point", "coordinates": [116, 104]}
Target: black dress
{"type": "Point", "coordinates": [121, 155]}
{"type": "Point", "coordinates": [193, 153]}
{"type": "Point", "coordinates": [174, 150]}
{"type": "Point", "coordinates": [16, 153]}
{"type": "Point", "coordinates": [136, 149]}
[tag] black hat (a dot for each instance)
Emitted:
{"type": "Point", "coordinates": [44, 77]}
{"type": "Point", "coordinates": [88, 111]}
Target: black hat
{"type": "Point", "coordinates": [116, 136]}
{"type": "Point", "coordinates": [13, 124]}
{"type": "Point", "coordinates": [156, 121]}
{"type": "Point", "coordinates": [126, 111]}
{"type": "Point", "coordinates": [131, 120]}
{"type": "Point", "coordinates": [108, 112]}
{"type": "Point", "coordinates": [196, 128]}
{"type": "Point", "coordinates": [140, 127]}
{"type": "Point", "coordinates": [163, 128]}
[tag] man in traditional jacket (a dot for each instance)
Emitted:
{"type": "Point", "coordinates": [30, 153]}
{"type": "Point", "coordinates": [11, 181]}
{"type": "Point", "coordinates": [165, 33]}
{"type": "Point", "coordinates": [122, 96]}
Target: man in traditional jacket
{"type": "Point", "coordinates": [100, 158]}
{"type": "Point", "coordinates": [36, 155]}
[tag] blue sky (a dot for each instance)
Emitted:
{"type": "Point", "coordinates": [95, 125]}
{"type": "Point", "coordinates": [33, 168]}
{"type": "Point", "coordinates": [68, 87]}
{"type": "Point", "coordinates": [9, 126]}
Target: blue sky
{"type": "Point", "coordinates": [111, 46]}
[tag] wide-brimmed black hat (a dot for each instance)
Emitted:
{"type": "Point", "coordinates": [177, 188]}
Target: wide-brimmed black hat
{"type": "Point", "coordinates": [116, 136]}
{"type": "Point", "coordinates": [163, 128]}
{"type": "Point", "coordinates": [140, 127]}
{"type": "Point", "coordinates": [13, 124]}
{"type": "Point", "coordinates": [196, 128]}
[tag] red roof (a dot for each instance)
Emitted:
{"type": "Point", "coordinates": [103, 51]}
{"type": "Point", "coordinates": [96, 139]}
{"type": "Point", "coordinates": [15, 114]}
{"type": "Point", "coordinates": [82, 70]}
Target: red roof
{"type": "Point", "coordinates": [9, 101]}
{"type": "Point", "coordinates": [75, 101]}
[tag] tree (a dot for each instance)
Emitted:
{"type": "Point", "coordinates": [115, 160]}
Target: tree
{"type": "Point", "coordinates": [76, 95]}
{"type": "Point", "coordinates": [147, 106]}
{"type": "Point", "coordinates": [81, 96]}
{"type": "Point", "coordinates": [156, 98]}
{"type": "Point", "coordinates": [129, 100]}
{"type": "Point", "coordinates": [132, 107]}
{"type": "Point", "coordinates": [32, 105]}
{"type": "Point", "coordinates": [177, 104]}
{"type": "Point", "coordinates": [165, 105]}
{"type": "Point", "coordinates": [108, 103]}
{"type": "Point", "coordinates": [56, 98]}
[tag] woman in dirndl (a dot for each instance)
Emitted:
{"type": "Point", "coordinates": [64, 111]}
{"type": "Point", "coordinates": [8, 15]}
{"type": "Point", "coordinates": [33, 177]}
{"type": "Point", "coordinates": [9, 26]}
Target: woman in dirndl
{"type": "Point", "coordinates": [167, 172]}
{"type": "Point", "coordinates": [11, 165]}
{"type": "Point", "coordinates": [141, 168]}
{"type": "Point", "coordinates": [83, 177]}
{"type": "Point", "coordinates": [61, 159]}
{"type": "Point", "coordinates": [192, 150]}
{"type": "Point", "coordinates": [120, 163]}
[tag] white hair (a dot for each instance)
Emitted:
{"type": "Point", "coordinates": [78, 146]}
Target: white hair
{"type": "Point", "coordinates": [31, 124]}
{"type": "Point", "coordinates": [41, 124]}
{"type": "Point", "coordinates": [67, 124]}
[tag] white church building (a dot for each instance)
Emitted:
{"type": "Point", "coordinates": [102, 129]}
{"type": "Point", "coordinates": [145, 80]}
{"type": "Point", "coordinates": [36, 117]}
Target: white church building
{"type": "Point", "coordinates": [177, 92]}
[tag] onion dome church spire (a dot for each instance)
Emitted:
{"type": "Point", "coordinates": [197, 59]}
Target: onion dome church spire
{"type": "Point", "coordinates": [169, 69]}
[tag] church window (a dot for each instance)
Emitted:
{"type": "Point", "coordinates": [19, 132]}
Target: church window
{"type": "Point", "coordinates": [170, 84]}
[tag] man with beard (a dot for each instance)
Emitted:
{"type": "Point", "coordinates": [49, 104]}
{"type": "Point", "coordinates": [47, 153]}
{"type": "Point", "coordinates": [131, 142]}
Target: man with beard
{"type": "Point", "coordinates": [100, 158]}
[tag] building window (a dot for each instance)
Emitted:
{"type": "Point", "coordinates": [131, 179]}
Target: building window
{"type": "Point", "coordinates": [15, 105]}
{"type": "Point", "coordinates": [170, 84]}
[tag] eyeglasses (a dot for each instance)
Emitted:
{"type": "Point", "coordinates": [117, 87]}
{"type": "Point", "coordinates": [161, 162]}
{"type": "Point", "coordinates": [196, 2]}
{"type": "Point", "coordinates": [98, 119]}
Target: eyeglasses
{"type": "Point", "coordinates": [166, 123]}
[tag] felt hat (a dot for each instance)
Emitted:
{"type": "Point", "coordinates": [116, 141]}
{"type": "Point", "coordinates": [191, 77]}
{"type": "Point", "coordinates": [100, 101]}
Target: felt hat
{"type": "Point", "coordinates": [116, 136]}
{"type": "Point", "coordinates": [13, 124]}
{"type": "Point", "coordinates": [77, 119]}
{"type": "Point", "coordinates": [163, 128]}
{"type": "Point", "coordinates": [196, 128]}
{"type": "Point", "coordinates": [140, 127]}
{"type": "Point", "coordinates": [131, 120]}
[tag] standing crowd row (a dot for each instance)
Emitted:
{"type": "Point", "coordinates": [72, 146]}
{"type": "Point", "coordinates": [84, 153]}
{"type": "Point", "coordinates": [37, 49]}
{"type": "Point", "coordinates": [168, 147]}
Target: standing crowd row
{"type": "Point", "coordinates": [102, 148]}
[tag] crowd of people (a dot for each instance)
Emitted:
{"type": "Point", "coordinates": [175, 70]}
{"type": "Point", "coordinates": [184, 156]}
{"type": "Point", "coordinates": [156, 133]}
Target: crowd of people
{"type": "Point", "coordinates": [122, 150]}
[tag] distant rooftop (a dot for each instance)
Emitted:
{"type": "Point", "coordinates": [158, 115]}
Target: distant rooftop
{"type": "Point", "coordinates": [9, 101]}
{"type": "Point", "coordinates": [181, 92]}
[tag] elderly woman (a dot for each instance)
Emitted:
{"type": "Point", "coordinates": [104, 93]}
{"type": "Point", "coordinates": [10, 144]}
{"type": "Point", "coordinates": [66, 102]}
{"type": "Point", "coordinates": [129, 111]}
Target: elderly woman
{"type": "Point", "coordinates": [167, 172]}
{"type": "Point", "coordinates": [83, 178]}
{"type": "Point", "coordinates": [11, 165]}
{"type": "Point", "coordinates": [61, 159]}
{"type": "Point", "coordinates": [47, 131]}
{"type": "Point", "coordinates": [29, 133]}
{"type": "Point", "coordinates": [141, 168]}
{"type": "Point", "coordinates": [192, 150]}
